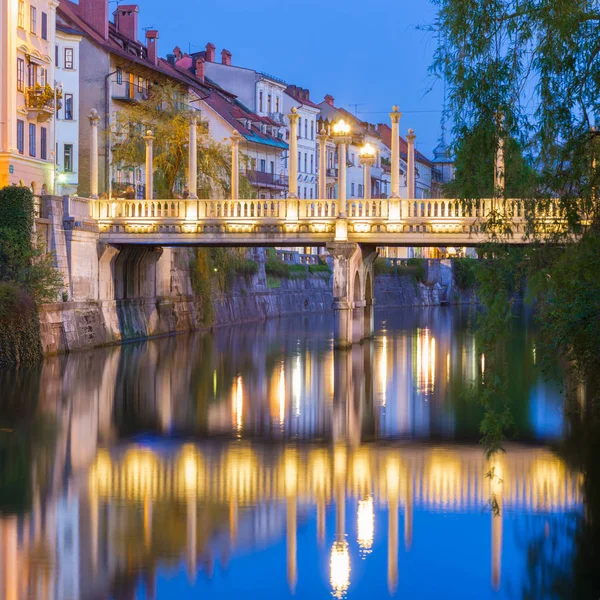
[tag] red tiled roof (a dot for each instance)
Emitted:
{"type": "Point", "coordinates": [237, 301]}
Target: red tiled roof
{"type": "Point", "coordinates": [386, 135]}
{"type": "Point", "coordinates": [294, 92]}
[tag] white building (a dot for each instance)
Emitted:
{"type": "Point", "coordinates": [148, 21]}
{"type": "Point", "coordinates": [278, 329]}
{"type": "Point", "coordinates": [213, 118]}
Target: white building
{"type": "Point", "coordinates": [67, 71]}
{"type": "Point", "coordinates": [27, 98]}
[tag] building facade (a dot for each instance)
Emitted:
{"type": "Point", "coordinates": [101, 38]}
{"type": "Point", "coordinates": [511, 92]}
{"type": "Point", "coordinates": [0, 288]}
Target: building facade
{"type": "Point", "coordinates": [27, 93]}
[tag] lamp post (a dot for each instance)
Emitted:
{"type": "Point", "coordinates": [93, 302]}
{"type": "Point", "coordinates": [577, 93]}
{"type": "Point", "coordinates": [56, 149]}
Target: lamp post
{"type": "Point", "coordinates": [193, 157]}
{"type": "Point", "coordinates": [367, 159]}
{"type": "Point", "coordinates": [410, 164]}
{"type": "Point", "coordinates": [94, 118]}
{"type": "Point", "coordinates": [149, 139]}
{"type": "Point", "coordinates": [235, 164]}
{"type": "Point", "coordinates": [342, 137]}
{"type": "Point", "coordinates": [394, 206]}
{"type": "Point", "coordinates": [291, 213]}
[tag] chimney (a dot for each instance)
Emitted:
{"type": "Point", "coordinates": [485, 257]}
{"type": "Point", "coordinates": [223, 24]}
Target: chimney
{"type": "Point", "coordinates": [329, 100]}
{"type": "Point", "coordinates": [126, 20]}
{"type": "Point", "coordinates": [95, 14]}
{"type": "Point", "coordinates": [226, 57]}
{"type": "Point", "coordinates": [177, 53]}
{"type": "Point", "coordinates": [152, 45]}
{"type": "Point", "coordinates": [200, 69]}
{"type": "Point", "coordinates": [171, 59]}
{"type": "Point", "coordinates": [210, 52]}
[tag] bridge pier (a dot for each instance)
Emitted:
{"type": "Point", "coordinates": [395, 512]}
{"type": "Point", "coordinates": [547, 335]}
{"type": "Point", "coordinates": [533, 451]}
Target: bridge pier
{"type": "Point", "coordinates": [352, 292]}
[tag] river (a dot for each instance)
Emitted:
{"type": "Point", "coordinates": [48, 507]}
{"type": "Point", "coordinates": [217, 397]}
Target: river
{"type": "Point", "coordinates": [257, 462]}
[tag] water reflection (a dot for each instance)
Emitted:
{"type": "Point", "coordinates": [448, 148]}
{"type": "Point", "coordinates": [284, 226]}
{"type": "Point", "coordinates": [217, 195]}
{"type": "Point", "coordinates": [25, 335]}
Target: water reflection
{"type": "Point", "coordinates": [309, 460]}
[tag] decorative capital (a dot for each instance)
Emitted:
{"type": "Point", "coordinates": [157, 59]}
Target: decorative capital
{"type": "Point", "coordinates": [322, 136]}
{"type": "Point", "coordinates": [395, 115]}
{"type": "Point", "coordinates": [236, 136]}
{"type": "Point", "coordinates": [193, 118]}
{"type": "Point", "coordinates": [411, 137]}
{"type": "Point", "coordinates": [94, 117]}
{"type": "Point", "coordinates": [149, 137]}
{"type": "Point", "coordinates": [293, 116]}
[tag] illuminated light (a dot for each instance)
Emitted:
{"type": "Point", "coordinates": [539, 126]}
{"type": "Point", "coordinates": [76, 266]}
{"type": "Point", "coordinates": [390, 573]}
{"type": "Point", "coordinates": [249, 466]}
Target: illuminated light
{"type": "Point", "coordinates": [383, 371]}
{"type": "Point", "coordinates": [448, 366]}
{"type": "Point", "coordinates": [341, 128]}
{"type": "Point", "coordinates": [534, 355]}
{"type": "Point", "coordinates": [238, 404]}
{"type": "Point", "coordinates": [339, 569]}
{"type": "Point", "coordinates": [425, 363]}
{"type": "Point", "coordinates": [282, 395]}
{"type": "Point", "coordinates": [215, 383]}
{"type": "Point", "coordinates": [296, 385]}
{"type": "Point", "coordinates": [367, 151]}
{"type": "Point", "coordinates": [482, 366]}
{"type": "Point", "coordinates": [365, 525]}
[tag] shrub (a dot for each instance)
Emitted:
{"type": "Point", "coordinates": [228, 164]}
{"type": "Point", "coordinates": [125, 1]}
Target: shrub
{"type": "Point", "coordinates": [381, 267]}
{"type": "Point", "coordinates": [273, 283]}
{"type": "Point", "coordinates": [320, 268]}
{"type": "Point", "coordinates": [465, 275]}
{"type": "Point", "coordinates": [418, 264]}
{"type": "Point", "coordinates": [246, 267]}
{"type": "Point", "coordinates": [276, 268]}
{"type": "Point", "coordinates": [298, 271]}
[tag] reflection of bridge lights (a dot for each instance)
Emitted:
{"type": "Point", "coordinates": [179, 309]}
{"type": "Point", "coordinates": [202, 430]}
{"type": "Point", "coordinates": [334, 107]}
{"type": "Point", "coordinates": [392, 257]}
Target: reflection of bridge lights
{"type": "Point", "coordinates": [392, 473]}
{"type": "Point", "coordinates": [320, 470]}
{"type": "Point", "coordinates": [282, 394]}
{"type": "Point", "coordinates": [383, 370]}
{"type": "Point", "coordinates": [482, 367]}
{"type": "Point", "coordinates": [296, 385]}
{"type": "Point", "coordinates": [339, 569]}
{"type": "Point", "coordinates": [238, 404]}
{"type": "Point", "coordinates": [365, 525]}
{"type": "Point", "coordinates": [101, 473]}
{"type": "Point", "coordinates": [548, 477]}
{"type": "Point", "coordinates": [425, 362]}
{"type": "Point", "coordinates": [361, 472]}
{"type": "Point", "coordinates": [291, 472]}
{"type": "Point", "coordinates": [141, 467]}
{"type": "Point", "coordinates": [189, 469]}
{"type": "Point", "coordinates": [442, 486]}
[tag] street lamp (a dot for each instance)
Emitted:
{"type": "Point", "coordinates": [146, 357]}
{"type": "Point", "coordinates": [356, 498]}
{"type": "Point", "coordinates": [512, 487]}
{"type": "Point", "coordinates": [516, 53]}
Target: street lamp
{"type": "Point", "coordinates": [341, 135]}
{"type": "Point", "coordinates": [368, 155]}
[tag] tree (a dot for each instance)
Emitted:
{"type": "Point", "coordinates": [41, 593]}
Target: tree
{"type": "Point", "coordinates": [166, 113]}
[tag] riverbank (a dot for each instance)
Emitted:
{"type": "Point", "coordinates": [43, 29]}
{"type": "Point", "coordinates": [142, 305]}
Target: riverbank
{"type": "Point", "coordinates": [72, 326]}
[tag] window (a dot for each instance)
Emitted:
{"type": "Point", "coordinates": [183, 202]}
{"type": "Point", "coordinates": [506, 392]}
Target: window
{"type": "Point", "coordinates": [299, 161]}
{"type": "Point", "coordinates": [43, 76]}
{"type": "Point", "coordinates": [140, 84]}
{"type": "Point", "coordinates": [272, 166]}
{"type": "Point", "coordinates": [32, 139]}
{"type": "Point", "coordinates": [68, 107]}
{"type": "Point", "coordinates": [312, 130]}
{"type": "Point", "coordinates": [299, 127]}
{"type": "Point", "coordinates": [305, 128]}
{"type": "Point", "coordinates": [305, 162]}
{"type": "Point", "coordinates": [21, 22]}
{"type": "Point", "coordinates": [263, 165]}
{"type": "Point", "coordinates": [31, 74]}
{"type": "Point", "coordinates": [68, 158]}
{"type": "Point", "coordinates": [269, 103]}
{"type": "Point", "coordinates": [20, 74]}
{"type": "Point", "coordinates": [20, 136]}
{"type": "Point", "coordinates": [69, 59]}
{"type": "Point", "coordinates": [277, 104]}
{"type": "Point", "coordinates": [360, 190]}
{"type": "Point", "coordinates": [352, 189]}
{"type": "Point", "coordinates": [33, 19]}
{"type": "Point", "coordinates": [56, 57]}
{"type": "Point", "coordinates": [119, 75]}
{"type": "Point", "coordinates": [260, 101]}
{"type": "Point", "coordinates": [43, 143]}
{"type": "Point", "coordinates": [312, 163]}
{"type": "Point", "coordinates": [44, 26]}
{"type": "Point", "coordinates": [311, 193]}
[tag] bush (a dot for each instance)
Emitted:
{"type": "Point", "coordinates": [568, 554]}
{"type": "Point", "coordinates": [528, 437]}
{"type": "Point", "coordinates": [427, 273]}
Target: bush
{"type": "Point", "coordinates": [276, 268]}
{"type": "Point", "coordinates": [465, 275]}
{"type": "Point", "coordinates": [418, 266]}
{"type": "Point", "coordinates": [273, 283]}
{"type": "Point", "coordinates": [320, 268]}
{"type": "Point", "coordinates": [246, 267]}
{"type": "Point", "coordinates": [381, 267]}
{"type": "Point", "coordinates": [298, 271]}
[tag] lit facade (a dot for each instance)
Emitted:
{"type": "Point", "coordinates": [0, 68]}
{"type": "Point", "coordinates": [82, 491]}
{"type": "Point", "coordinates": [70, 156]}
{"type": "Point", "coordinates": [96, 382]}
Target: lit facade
{"type": "Point", "coordinates": [27, 97]}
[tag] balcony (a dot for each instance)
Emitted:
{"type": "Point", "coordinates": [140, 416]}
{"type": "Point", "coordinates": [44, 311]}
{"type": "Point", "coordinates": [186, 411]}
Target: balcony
{"type": "Point", "coordinates": [127, 92]}
{"type": "Point", "coordinates": [267, 180]}
{"type": "Point", "coordinates": [39, 101]}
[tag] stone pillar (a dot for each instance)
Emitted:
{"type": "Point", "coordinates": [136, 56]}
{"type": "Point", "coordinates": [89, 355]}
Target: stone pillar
{"type": "Point", "coordinates": [149, 139]}
{"type": "Point", "coordinates": [94, 118]}
{"type": "Point", "coordinates": [322, 138]}
{"type": "Point", "coordinates": [410, 164]}
{"type": "Point", "coordinates": [367, 162]}
{"type": "Point", "coordinates": [352, 265]}
{"type": "Point", "coordinates": [394, 203]}
{"type": "Point", "coordinates": [293, 154]}
{"type": "Point", "coordinates": [499, 163]}
{"type": "Point", "coordinates": [341, 225]}
{"type": "Point", "coordinates": [193, 157]}
{"type": "Point", "coordinates": [235, 164]}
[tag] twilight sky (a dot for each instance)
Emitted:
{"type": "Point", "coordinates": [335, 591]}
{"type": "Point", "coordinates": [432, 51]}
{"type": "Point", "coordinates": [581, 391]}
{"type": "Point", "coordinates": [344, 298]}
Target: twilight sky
{"type": "Point", "coordinates": [359, 51]}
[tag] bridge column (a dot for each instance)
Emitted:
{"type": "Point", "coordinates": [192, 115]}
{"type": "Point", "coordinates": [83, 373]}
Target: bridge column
{"type": "Point", "coordinates": [292, 199]}
{"type": "Point", "coordinates": [342, 136]}
{"type": "Point", "coordinates": [94, 118]}
{"type": "Point", "coordinates": [193, 157]}
{"type": "Point", "coordinates": [410, 164]}
{"type": "Point", "coordinates": [235, 164]}
{"type": "Point", "coordinates": [394, 202]}
{"type": "Point", "coordinates": [322, 138]}
{"type": "Point", "coordinates": [352, 270]}
{"type": "Point", "coordinates": [149, 139]}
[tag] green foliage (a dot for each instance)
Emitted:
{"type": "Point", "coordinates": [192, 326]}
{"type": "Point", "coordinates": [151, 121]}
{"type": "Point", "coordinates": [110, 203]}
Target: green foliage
{"type": "Point", "coordinates": [416, 267]}
{"type": "Point", "coordinates": [277, 268]}
{"type": "Point", "coordinates": [16, 211]}
{"type": "Point", "coordinates": [246, 267]}
{"type": "Point", "coordinates": [273, 283]}
{"type": "Point", "coordinates": [297, 272]}
{"type": "Point", "coordinates": [381, 267]}
{"type": "Point", "coordinates": [465, 275]}
{"type": "Point", "coordinates": [320, 268]}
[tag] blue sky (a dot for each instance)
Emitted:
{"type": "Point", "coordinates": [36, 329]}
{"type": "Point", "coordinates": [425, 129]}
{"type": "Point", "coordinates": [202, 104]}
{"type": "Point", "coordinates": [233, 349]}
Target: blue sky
{"type": "Point", "coordinates": [369, 53]}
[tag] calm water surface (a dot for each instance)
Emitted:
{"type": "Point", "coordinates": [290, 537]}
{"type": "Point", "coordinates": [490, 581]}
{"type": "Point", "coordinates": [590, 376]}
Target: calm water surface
{"type": "Point", "coordinates": [256, 462]}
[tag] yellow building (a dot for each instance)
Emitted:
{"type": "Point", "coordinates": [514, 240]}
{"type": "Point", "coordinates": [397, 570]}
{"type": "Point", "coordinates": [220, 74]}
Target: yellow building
{"type": "Point", "coordinates": [27, 95]}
